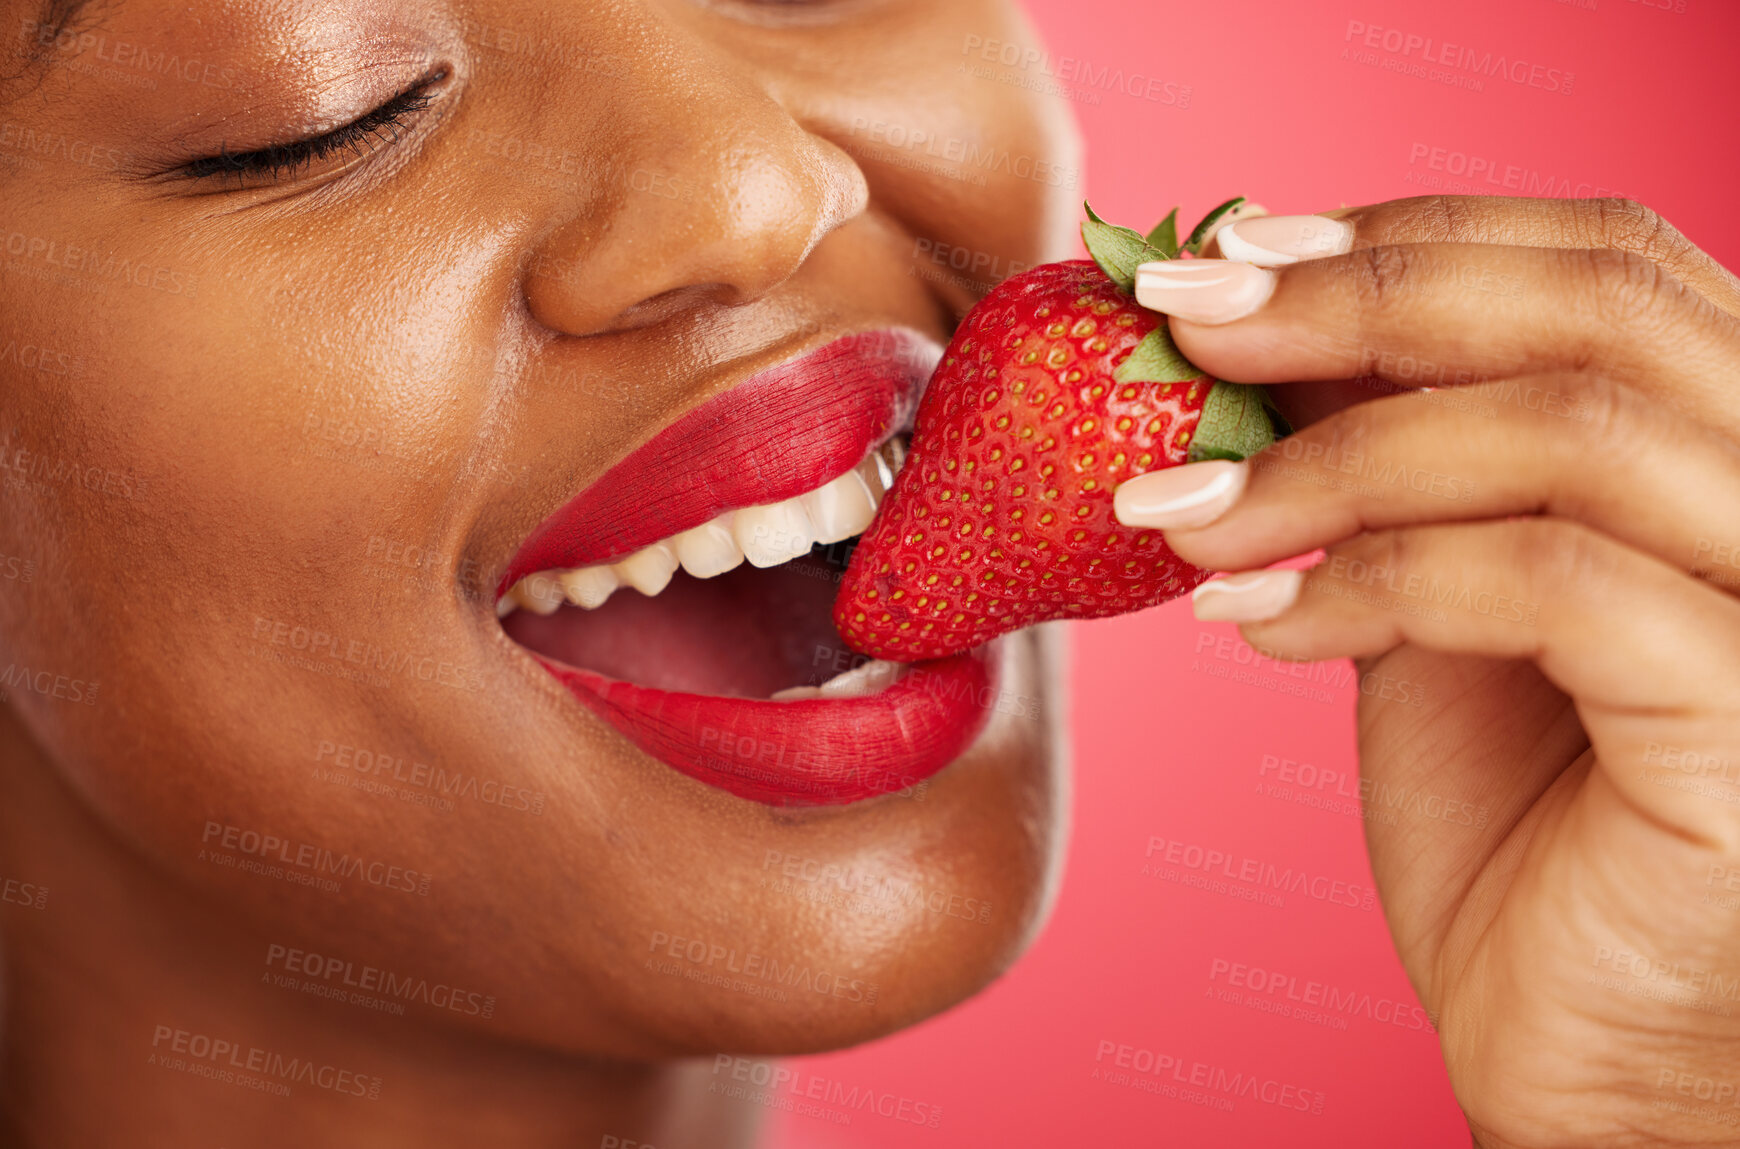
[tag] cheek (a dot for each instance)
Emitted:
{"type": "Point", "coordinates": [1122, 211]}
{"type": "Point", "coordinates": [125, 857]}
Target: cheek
{"type": "Point", "coordinates": [241, 572]}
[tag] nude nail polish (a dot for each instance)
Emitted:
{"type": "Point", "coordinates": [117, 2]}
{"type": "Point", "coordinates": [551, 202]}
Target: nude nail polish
{"type": "Point", "coordinates": [1203, 290]}
{"type": "Point", "coordinates": [1246, 210]}
{"type": "Point", "coordinates": [1254, 596]}
{"type": "Point", "coordinates": [1193, 495]}
{"type": "Point", "coordinates": [1277, 240]}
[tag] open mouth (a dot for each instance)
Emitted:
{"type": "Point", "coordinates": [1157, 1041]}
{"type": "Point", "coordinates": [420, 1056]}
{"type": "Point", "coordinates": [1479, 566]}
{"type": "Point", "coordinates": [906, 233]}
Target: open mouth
{"type": "Point", "coordinates": [686, 597]}
{"type": "Point", "coordinates": [738, 606]}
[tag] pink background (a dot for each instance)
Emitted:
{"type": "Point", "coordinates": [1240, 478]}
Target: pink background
{"type": "Point", "coordinates": [1171, 726]}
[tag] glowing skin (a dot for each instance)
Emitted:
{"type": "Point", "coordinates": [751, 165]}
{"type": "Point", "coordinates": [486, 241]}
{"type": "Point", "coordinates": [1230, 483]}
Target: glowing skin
{"type": "Point", "coordinates": [281, 452]}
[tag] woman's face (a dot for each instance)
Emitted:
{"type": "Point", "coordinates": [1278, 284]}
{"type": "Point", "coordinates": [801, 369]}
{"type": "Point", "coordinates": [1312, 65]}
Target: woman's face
{"type": "Point", "coordinates": [279, 421]}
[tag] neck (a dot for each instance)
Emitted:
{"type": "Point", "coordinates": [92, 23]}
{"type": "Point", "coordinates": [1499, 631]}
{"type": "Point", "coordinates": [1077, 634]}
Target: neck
{"type": "Point", "coordinates": [138, 1013]}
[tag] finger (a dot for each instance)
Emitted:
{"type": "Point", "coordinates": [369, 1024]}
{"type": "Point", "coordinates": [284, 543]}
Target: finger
{"type": "Point", "coordinates": [1443, 791]}
{"type": "Point", "coordinates": [1437, 314]}
{"type": "Point", "coordinates": [1585, 450]}
{"type": "Point", "coordinates": [1582, 224]}
{"type": "Point", "coordinates": [1647, 653]}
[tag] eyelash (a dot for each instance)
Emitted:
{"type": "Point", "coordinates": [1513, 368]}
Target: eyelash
{"type": "Point", "coordinates": [390, 121]}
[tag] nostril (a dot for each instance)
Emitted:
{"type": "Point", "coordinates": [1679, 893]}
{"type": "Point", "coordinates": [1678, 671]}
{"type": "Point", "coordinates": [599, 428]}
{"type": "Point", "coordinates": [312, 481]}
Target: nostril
{"type": "Point", "coordinates": [655, 309]}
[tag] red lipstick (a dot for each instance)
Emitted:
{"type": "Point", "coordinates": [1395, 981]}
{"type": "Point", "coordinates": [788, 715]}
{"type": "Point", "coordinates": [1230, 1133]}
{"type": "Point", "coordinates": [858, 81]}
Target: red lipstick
{"type": "Point", "coordinates": [819, 752]}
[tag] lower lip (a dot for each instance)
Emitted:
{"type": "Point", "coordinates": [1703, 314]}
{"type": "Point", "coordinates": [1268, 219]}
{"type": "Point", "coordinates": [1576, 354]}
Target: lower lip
{"type": "Point", "coordinates": [813, 752]}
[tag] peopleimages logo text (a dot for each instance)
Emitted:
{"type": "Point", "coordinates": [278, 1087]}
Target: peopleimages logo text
{"type": "Point", "coordinates": [1429, 50]}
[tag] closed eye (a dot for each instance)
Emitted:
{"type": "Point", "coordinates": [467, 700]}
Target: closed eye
{"type": "Point", "coordinates": [382, 127]}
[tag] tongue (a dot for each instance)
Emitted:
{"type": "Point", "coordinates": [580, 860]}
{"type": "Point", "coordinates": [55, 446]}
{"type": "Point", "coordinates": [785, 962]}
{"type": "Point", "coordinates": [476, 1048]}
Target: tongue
{"type": "Point", "coordinates": [744, 634]}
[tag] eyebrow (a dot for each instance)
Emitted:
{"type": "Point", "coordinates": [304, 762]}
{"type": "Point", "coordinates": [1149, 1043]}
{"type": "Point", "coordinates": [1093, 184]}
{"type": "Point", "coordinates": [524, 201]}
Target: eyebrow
{"type": "Point", "coordinates": [52, 21]}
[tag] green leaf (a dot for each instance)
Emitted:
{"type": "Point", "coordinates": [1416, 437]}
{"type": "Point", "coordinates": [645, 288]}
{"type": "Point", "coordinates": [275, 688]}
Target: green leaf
{"type": "Point", "coordinates": [1200, 233]}
{"type": "Point", "coordinates": [1156, 360]}
{"type": "Point", "coordinates": [1117, 250]}
{"type": "Point", "coordinates": [1164, 237]}
{"type": "Point", "coordinates": [1235, 423]}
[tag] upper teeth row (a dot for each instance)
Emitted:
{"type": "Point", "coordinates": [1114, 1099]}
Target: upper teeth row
{"type": "Point", "coordinates": [766, 536]}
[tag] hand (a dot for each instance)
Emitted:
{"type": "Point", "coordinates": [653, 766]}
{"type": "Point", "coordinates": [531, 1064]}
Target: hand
{"type": "Point", "coordinates": [1553, 550]}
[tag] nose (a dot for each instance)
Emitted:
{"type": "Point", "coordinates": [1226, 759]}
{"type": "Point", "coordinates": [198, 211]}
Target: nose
{"type": "Point", "coordinates": [712, 192]}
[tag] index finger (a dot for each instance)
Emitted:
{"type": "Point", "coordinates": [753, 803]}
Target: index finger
{"type": "Point", "coordinates": [1585, 224]}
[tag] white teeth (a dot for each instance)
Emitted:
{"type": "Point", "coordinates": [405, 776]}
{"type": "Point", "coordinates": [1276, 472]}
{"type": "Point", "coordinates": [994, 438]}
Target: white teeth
{"type": "Point", "coordinates": [873, 677]}
{"type": "Point", "coordinates": [774, 534]}
{"type": "Point", "coordinates": [590, 587]}
{"type": "Point", "coordinates": [841, 508]}
{"type": "Point", "coordinates": [649, 569]}
{"type": "Point", "coordinates": [539, 593]}
{"type": "Point", "coordinates": [766, 536]}
{"type": "Point", "coordinates": [870, 470]}
{"type": "Point", "coordinates": [709, 549]}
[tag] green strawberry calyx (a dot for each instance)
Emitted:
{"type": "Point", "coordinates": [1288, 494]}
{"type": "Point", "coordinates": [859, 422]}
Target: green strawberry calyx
{"type": "Point", "coordinates": [1237, 419]}
{"type": "Point", "coordinates": [1119, 250]}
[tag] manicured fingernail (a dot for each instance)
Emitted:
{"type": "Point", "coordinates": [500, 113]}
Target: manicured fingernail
{"type": "Point", "coordinates": [1246, 210]}
{"type": "Point", "coordinates": [1275, 240]}
{"type": "Point", "coordinates": [1193, 495]}
{"type": "Point", "coordinates": [1255, 596]}
{"type": "Point", "coordinates": [1203, 290]}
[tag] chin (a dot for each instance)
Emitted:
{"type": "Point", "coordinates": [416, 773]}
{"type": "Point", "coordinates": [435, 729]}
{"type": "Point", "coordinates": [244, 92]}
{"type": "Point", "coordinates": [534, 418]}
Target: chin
{"type": "Point", "coordinates": [849, 922]}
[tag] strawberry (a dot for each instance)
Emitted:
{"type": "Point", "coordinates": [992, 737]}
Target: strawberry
{"type": "Point", "coordinates": [1056, 388]}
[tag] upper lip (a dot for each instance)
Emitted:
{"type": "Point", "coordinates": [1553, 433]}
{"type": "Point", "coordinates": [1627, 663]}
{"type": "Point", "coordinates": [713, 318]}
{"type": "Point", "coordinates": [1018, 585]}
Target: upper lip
{"type": "Point", "coordinates": [783, 431]}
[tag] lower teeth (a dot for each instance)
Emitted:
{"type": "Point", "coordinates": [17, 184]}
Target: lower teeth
{"type": "Point", "coordinates": [872, 677]}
